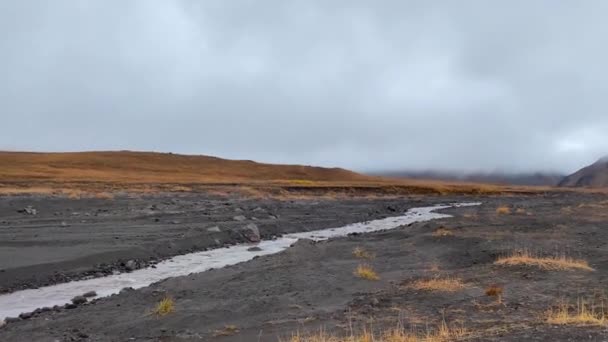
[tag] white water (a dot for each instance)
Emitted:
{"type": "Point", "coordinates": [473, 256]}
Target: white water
{"type": "Point", "coordinates": [11, 305]}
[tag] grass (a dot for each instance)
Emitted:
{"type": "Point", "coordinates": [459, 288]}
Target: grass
{"type": "Point", "coordinates": [556, 263]}
{"type": "Point", "coordinates": [496, 291]}
{"type": "Point", "coordinates": [503, 210]}
{"type": "Point", "coordinates": [164, 307]}
{"type": "Point", "coordinates": [442, 333]}
{"type": "Point", "coordinates": [227, 330]}
{"type": "Point", "coordinates": [582, 314]}
{"type": "Point", "coordinates": [442, 232]}
{"type": "Point", "coordinates": [438, 284]}
{"type": "Point", "coordinates": [365, 271]}
{"type": "Point", "coordinates": [361, 253]}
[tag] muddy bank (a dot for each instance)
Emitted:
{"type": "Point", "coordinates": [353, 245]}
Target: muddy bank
{"type": "Point", "coordinates": [312, 285]}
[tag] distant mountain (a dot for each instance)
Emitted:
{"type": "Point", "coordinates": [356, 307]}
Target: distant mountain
{"type": "Point", "coordinates": [592, 176]}
{"type": "Point", "coordinates": [529, 179]}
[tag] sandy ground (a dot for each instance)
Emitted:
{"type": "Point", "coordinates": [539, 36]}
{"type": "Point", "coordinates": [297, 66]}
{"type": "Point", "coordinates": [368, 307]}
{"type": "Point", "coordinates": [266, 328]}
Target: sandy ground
{"type": "Point", "coordinates": [311, 285]}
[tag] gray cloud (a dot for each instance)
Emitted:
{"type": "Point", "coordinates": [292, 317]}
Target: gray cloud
{"type": "Point", "coordinates": [467, 85]}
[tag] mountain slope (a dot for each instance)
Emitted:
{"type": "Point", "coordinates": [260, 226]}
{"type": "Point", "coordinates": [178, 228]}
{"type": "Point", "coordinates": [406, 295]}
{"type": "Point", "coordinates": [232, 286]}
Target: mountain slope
{"type": "Point", "coordinates": [525, 179]}
{"type": "Point", "coordinates": [150, 167]}
{"type": "Point", "coordinates": [592, 176]}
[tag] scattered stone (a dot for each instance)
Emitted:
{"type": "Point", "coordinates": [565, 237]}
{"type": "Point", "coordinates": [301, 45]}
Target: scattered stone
{"type": "Point", "coordinates": [64, 224]}
{"type": "Point", "coordinates": [29, 210]}
{"type": "Point", "coordinates": [238, 210]}
{"type": "Point", "coordinates": [239, 218]}
{"type": "Point", "coordinates": [175, 222]}
{"type": "Point", "coordinates": [258, 209]}
{"type": "Point", "coordinates": [90, 294]}
{"type": "Point", "coordinates": [274, 217]}
{"type": "Point", "coordinates": [26, 315]}
{"type": "Point", "coordinates": [214, 229]}
{"type": "Point", "coordinates": [251, 232]}
{"type": "Point", "coordinates": [254, 249]}
{"type": "Point", "coordinates": [78, 300]}
{"type": "Point", "coordinates": [131, 265]}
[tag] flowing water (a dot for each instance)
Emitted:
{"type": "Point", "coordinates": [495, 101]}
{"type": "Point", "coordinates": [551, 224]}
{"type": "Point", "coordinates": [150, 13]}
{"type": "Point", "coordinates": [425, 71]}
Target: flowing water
{"type": "Point", "coordinates": [13, 304]}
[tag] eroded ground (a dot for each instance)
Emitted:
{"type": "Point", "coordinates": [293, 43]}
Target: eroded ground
{"type": "Point", "coordinates": [429, 273]}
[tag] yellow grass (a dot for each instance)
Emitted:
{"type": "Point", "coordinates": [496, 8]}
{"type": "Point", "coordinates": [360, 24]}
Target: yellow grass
{"type": "Point", "coordinates": [438, 284]}
{"type": "Point", "coordinates": [361, 253]}
{"type": "Point", "coordinates": [443, 333]}
{"type": "Point", "coordinates": [227, 330]}
{"type": "Point", "coordinates": [503, 210]}
{"type": "Point", "coordinates": [164, 307]}
{"type": "Point", "coordinates": [561, 262]}
{"type": "Point", "coordinates": [582, 314]}
{"type": "Point", "coordinates": [442, 231]}
{"type": "Point", "coordinates": [365, 271]}
{"type": "Point", "coordinates": [495, 290]}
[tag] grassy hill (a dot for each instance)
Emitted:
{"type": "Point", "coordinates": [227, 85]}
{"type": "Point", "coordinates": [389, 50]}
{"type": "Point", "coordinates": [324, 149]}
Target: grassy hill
{"type": "Point", "coordinates": [150, 171]}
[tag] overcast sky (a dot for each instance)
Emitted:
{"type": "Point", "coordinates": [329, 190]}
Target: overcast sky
{"type": "Point", "coordinates": [367, 85]}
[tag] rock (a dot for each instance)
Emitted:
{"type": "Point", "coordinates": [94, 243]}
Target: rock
{"type": "Point", "coordinates": [78, 300]}
{"type": "Point", "coordinates": [239, 218]}
{"type": "Point", "coordinates": [238, 210]}
{"type": "Point", "coordinates": [9, 320]}
{"type": "Point", "coordinates": [258, 209]}
{"type": "Point", "coordinates": [175, 222]}
{"type": "Point", "coordinates": [29, 210]}
{"type": "Point", "coordinates": [90, 294]}
{"type": "Point", "coordinates": [26, 315]}
{"type": "Point", "coordinates": [131, 265]}
{"type": "Point", "coordinates": [64, 224]}
{"type": "Point", "coordinates": [251, 232]}
{"type": "Point", "coordinates": [273, 217]}
{"type": "Point", "coordinates": [254, 249]}
{"type": "Point", "coordinates": [214, 229]}
{"type": "Point", "coordinates": [70, 306]}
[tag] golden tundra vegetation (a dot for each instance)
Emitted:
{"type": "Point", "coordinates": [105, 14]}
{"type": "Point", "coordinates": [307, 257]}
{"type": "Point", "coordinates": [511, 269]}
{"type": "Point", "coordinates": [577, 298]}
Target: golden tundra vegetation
{"type": "Point", "coordinates": [85, 174]}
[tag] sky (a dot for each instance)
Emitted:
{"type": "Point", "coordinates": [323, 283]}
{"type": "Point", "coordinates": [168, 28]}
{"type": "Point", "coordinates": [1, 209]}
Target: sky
{"type": "Point", "coordinates": [515, 86]}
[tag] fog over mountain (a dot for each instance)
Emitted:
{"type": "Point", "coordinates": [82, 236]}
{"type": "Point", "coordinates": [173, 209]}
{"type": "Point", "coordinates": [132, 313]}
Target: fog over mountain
{"type": "Point", "coordinates": [472, 86]}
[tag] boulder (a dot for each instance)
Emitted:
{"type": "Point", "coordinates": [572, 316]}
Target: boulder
{"type": "Point", "coordinates": [78, 300]}
{"type": "Point", "coordinates": [90, 294]}
{"type": "Point", "coordinates": [29, 210]}
{"type": "Point", "coordinates": [251, 232]}
{"type": "Point", "coordinates": [239, 218]}
{"type": "Point", "coordinates": [131, 265]}
{"type": "Point", "coordinates": [26, 315]}
{"type": "Point", "coordinates": [214, 229]}
{"type": "Point", "coordinates": [254, 249]}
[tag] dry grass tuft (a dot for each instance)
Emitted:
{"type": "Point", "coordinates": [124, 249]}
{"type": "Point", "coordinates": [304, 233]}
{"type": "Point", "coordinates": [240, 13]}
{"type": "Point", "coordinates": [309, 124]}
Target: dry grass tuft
{"type": "Point", "coordinates": [164, 307]}
{"type": "Point", "coordinates": [439, 284]}
{"type": "Point", "coordinates": [361, 253]}
{"type": "Point", "coordinates": [365, 271]}
{"type": "Point", "coordinates": [582, 314]}
{"type": "Point", "coordinates": [443, 333]}
{"type": "Point", "coordinates": [442, 232]}
{"type": "Point", "coordinates": [559, 262]}
{"type": "Point", "coordinates": [495, 290]}
{"type": "Point", "coordinates": [227, 330]}
{"type": "Point", "coordinates": [503, 210]}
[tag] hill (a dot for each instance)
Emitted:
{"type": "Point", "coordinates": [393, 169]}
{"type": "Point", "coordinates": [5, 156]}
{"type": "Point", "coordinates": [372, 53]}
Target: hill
{"type": "Point", "coordinates": [592, 176]}
{"type": "Point", "coordinates": [96, 172]}
{"type": "Point", "coordinates": [151, 167]}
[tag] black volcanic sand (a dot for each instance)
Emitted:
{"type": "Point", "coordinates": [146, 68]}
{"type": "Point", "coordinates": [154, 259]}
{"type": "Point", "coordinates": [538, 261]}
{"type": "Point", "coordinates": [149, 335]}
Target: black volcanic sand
{"type": "Point", "coordinates": [311, 285]}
